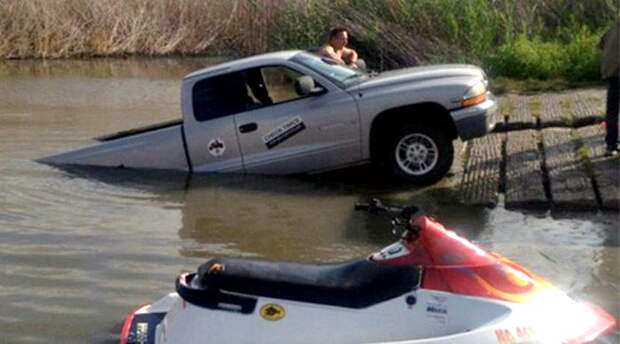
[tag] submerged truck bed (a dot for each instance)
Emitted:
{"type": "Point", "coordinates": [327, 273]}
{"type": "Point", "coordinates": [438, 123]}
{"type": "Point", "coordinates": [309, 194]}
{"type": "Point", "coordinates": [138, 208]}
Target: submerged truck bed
{"type": "Point", "coordinates": [134, 131]}
{"type": "Point", "coordinates": [158, 147]}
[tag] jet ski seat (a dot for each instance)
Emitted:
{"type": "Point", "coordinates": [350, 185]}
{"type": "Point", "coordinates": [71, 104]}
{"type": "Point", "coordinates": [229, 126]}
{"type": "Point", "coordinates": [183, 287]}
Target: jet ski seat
{"type": "Point", "coordinates": [355, 284]}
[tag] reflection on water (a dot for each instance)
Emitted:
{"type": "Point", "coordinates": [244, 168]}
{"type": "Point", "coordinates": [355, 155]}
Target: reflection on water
{"type": "Point", "coordinates": [107, 68]}
{"type": "Point", "coordinates": [81, 247]}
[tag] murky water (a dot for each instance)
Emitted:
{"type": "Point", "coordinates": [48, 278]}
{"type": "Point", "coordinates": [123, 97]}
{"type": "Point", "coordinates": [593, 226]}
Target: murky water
{"type": "Point", "coordinates": [80, 248]}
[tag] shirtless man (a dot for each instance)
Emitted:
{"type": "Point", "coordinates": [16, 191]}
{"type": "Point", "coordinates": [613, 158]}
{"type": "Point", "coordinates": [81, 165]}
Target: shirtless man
{"type": "Point", "coordinates": [336, 48]}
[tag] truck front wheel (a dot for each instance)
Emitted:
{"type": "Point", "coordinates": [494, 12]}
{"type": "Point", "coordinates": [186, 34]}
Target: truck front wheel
{"type": "Point", "coordinates": [420, 153]}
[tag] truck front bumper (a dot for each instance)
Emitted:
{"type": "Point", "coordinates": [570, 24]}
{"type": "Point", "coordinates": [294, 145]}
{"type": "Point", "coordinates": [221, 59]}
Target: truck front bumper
{"type": "Point", "coordinates": [476, 121]}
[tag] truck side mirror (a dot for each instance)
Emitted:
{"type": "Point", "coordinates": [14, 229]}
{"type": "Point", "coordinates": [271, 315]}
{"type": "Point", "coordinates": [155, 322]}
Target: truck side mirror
{"type": "Point", "coordinates": [305, 85]}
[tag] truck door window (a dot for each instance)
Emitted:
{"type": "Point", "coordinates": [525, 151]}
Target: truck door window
{"type": "Point", "coordinates": [236, 92]}
{"type": "Point", "coordinates": [280, 82]}
{"type": "Point", "coordinates": [257, 89]}
{"type": "Point", "coordinates": [220, 96]}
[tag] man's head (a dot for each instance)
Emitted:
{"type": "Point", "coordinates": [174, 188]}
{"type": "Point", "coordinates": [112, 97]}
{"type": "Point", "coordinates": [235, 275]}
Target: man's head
{"type": "Point", "coordinates": [338, 38]}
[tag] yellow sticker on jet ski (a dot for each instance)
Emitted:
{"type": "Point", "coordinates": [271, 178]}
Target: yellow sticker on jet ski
{"type": "Point", "coordinates": [272, 312]}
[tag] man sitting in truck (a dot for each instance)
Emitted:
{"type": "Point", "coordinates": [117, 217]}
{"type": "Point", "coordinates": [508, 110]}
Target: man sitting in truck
{"type": "Point", "coordinates": [336, 49]}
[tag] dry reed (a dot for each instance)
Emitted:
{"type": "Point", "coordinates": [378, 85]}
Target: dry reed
{"type": "Point", "coordinates": [65, 28]}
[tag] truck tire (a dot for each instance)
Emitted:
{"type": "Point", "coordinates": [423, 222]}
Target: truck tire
{"type": "Point", "coordinates": [420, 153]}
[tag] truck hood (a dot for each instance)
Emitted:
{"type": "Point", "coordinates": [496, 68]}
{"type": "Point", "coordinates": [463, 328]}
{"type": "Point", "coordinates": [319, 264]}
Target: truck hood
{"type": "Point", "coordinates": [414, 74]}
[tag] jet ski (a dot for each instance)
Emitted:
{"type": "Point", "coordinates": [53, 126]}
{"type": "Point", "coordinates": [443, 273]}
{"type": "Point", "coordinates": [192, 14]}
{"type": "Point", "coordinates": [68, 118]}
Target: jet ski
{"type": "Point", "coordinates": [431, 286]}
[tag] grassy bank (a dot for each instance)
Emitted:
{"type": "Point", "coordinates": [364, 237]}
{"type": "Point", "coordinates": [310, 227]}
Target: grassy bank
{"type": "Point", "coordinates": [514, 38]}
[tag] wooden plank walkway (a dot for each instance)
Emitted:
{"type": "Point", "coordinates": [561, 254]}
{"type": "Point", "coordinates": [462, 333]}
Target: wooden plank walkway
{"type": "Point", "coordinates": [481, 174]}
{"type": "Point", "coordinates": [524, 178]}
{"type": "Point", "coordinates": [606, 171]}
{"type": "Point", "coordinates": [570, 186]}
{"type": "Point", "coordinates": [550, 155]}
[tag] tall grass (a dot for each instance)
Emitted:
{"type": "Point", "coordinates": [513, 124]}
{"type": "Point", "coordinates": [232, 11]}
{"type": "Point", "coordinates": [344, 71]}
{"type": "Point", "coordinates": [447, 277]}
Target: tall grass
{"type": "Point", "coordinates": [517, 38]}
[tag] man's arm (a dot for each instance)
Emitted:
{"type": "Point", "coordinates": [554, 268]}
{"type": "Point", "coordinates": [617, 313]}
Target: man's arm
{"type": "Point", "coordinates": [328, 51]}
{"type": "Point", "coordinates": [350, 55]}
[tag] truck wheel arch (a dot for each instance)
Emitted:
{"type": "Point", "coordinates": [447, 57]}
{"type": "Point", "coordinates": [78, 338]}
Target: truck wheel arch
{"type": "Point", "coordinates": [387, 121]}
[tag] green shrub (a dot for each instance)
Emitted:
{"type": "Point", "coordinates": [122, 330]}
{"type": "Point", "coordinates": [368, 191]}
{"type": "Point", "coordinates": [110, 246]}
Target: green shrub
{"type": "Point", "coordinates": [576, 60]}
{"type": "Point", "coordinates": [582, 57]}
{"type": "Point", "coordinates": [527, 58]}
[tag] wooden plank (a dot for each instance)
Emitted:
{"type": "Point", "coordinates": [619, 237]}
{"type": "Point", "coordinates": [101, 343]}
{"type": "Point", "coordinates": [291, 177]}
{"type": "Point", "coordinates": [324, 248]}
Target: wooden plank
{"type": "Point", "coordinates": [553, 111]}
{"type": "Point", "coordinates": [480, 182]}
{"type": "Point", "coordinates": [605, 171]}
{"type": "Point", "coordinates": [571, 188]}
{"type": "Point", "coordinates": [455, 174]}
{"type": "Point", "coordinates": [589, 103]}
{"type": "Point", "coordinates": [557, 111]}
{"type": "Point", "coordinates": [458, 163]}
{"type": "Point", "coordinates": [521, 113]}
{"type": "Point", "coordinates": [524, 182]}
{"type": "Point", "coordinates": [593, 139]}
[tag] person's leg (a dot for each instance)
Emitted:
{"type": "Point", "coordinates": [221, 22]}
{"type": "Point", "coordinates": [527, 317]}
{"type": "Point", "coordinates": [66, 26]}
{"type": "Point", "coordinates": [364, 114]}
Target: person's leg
{"type": "Point", "coordinates": [613, 102]}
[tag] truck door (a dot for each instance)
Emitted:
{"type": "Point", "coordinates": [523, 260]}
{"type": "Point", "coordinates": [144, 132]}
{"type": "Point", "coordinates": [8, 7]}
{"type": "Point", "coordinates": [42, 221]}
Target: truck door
{"type": "Point", "coordinates": [287, 132]}
{"type": "Point", "coordinates": [209, 106]}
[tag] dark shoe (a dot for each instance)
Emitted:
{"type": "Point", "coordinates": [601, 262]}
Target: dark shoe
{"type": "Point", "coordinates": [611, 151]}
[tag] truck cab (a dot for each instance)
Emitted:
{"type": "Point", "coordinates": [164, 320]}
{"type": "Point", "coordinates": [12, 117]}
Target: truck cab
{"type": "Point", "coordinates": [295, 112]}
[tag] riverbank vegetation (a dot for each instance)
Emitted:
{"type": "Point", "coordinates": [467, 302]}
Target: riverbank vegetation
{"type": "Point", "coordinates": [542, 39]}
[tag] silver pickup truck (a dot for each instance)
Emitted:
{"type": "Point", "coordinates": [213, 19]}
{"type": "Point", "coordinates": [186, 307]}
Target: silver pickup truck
{"type": "Point", "coordinates": [295, 112]}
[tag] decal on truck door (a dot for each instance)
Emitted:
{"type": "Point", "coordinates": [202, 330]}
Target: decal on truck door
{"type": "Point", "coordinates": [216, 147]}
{"type": "Point", "coordinates": [284, 132]}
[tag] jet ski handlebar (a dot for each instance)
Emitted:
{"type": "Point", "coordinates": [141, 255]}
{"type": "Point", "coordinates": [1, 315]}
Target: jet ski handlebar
{"type": "Point", "coordinates": [376, 206]}
{"type": "Point", "coordinates": [403, 214]}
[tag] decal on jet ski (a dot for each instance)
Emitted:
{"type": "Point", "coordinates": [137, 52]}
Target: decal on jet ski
{"type": "Point", "coordinates": [508, 283]}
{"type": "Point", "coordinates": [142, 331]}
{"type": "Point", "coordinates": [437, 304]}
{"type": "Point", "coordinates": [393, 251]}
{"type": "Point", "coordinates": [521, 335]}
{"type": "Point", "coordinates": [437, 309]}
{"type": "Point", "coordinates": [434, 309]}
{"type": "Point", "coordinates": [284, 132]}
{"type": "Point", "coordinates": [272, 312]}
{"type": "Point", "coordinates": [216, 147]}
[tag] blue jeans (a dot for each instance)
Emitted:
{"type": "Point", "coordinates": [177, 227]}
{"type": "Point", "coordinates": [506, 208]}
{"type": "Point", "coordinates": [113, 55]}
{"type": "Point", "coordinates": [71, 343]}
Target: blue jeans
{"type": "Point", "coordinates": [613, 101]}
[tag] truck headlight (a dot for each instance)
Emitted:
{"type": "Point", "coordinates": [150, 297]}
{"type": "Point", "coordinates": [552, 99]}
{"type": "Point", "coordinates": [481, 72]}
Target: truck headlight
{"type": "Point", "coordinates": [475, 94]}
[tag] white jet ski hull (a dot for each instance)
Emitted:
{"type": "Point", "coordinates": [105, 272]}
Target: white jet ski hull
{"type": "Point", "coordinates": [435, 318]}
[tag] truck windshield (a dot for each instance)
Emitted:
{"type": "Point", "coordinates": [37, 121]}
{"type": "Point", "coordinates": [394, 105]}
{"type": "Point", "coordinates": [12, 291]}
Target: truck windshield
{"type": "Point", "coordinates": [341, 75]}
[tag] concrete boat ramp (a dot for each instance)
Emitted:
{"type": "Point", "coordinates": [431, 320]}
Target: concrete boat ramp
{"type": "Point", "coordinates": [547, 152]}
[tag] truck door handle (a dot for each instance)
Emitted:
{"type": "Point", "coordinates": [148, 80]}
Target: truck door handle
{"type": "Point", "coordinates": [246, 128]}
